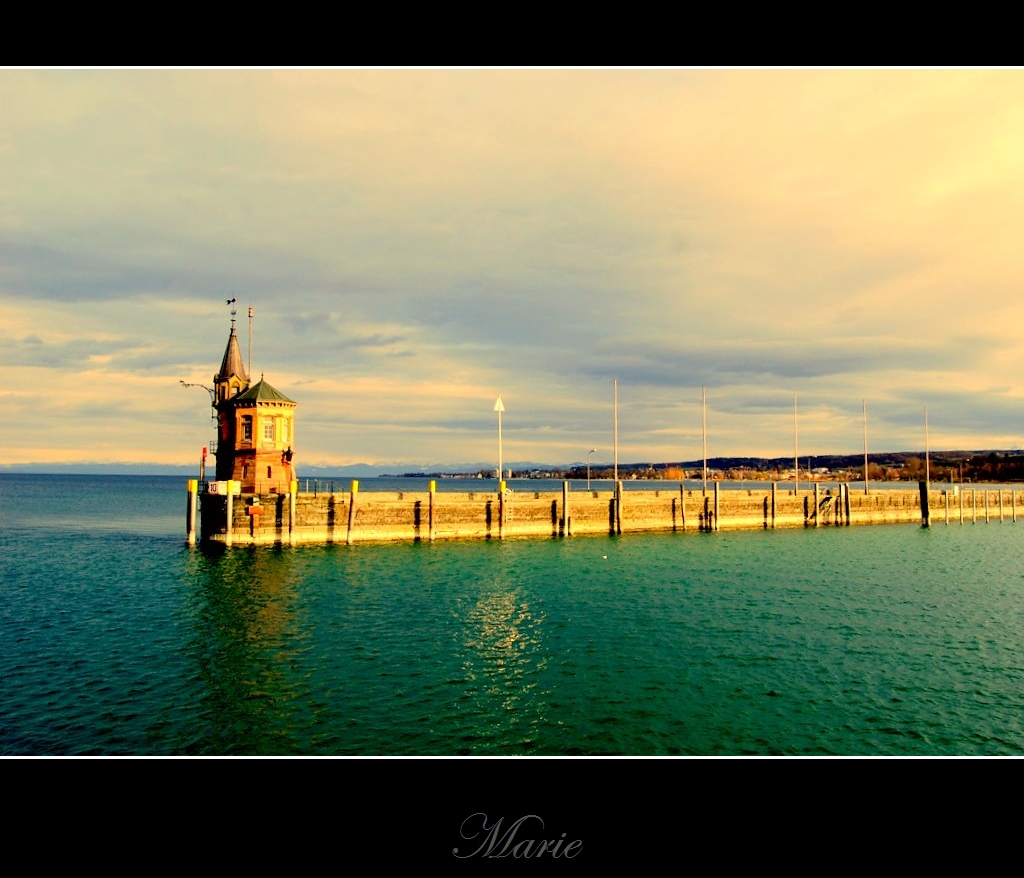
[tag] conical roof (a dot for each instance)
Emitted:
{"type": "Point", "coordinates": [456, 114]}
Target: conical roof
{"type": "Point", "coordinates": [232, 366]}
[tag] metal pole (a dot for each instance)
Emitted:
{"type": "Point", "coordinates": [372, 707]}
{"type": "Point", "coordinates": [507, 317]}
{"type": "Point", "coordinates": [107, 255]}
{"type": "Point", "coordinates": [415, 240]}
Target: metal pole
{"type": "Point", "coordinates": [704, 434]}
{"type": "Point", "coordinates": [615, 429]}
{"type": "Point", "coordinates": [865, 446]}
{"type": "Point", "coordinates": [796, 455]}
{"type": "Point", "coordinates": [927, 473]}
{"type": "Point", "coordinates": [499, 407]}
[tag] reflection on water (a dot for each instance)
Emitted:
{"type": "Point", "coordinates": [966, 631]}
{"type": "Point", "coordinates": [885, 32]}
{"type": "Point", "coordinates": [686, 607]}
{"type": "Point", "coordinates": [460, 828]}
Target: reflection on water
{"type": "Point", "coordinates": [244, 642]}
{"type": "Point", "coordinates": [504, 645]}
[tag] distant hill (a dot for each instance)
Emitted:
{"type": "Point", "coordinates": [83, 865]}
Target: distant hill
{"type": "Point", "coordinates": [1003, 465]}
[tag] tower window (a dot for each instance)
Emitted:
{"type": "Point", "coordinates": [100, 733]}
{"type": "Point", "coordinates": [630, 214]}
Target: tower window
{"type": "Point", "coordinates": [247, 428]}
{"type": "Point", "coordinates": [268, 472]}
{"type": "Point", "coordinates": [268, 430]}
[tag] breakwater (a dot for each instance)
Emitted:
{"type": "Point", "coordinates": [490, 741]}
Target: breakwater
{"type": "Point", "coordinates": [387, 516]}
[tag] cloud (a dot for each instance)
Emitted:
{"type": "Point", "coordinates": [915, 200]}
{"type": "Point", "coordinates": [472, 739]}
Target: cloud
{"type": "Point", "coordinates": [415, 242]}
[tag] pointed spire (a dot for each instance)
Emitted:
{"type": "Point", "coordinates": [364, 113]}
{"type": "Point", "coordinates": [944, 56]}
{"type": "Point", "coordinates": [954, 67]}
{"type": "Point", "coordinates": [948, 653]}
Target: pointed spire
{"type": "Point", "coordinates": [231, 366]}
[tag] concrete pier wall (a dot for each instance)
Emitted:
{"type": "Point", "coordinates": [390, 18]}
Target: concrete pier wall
{"type": "Point", "coordinates": [360, 517]}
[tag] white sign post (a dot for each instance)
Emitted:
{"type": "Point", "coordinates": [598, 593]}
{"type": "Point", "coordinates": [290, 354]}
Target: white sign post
{"type": "Point", "coordinates": [499, 407]}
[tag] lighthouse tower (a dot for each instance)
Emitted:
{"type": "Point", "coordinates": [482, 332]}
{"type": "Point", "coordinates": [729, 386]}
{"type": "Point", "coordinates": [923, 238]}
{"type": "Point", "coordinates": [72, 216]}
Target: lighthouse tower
{"type": "Point", "coordinates": [255, 427]}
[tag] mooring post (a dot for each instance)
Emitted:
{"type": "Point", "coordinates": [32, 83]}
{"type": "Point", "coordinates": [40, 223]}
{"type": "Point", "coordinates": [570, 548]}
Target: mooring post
{"type": "Point", "coordinates": [817, 506]}
{"type": "Point", "coordinates": [925, 518]}
{"type": "Point", "coordinates": [190, 512]}
{"type": "Point", "coordinates": [566, 520]}
{"type": "Point", "coordinates": [775, 487]}
{"type": "Point", "coordinates": [229, 505]}
{"type": "Point", "coordinates": [846, 504]}
{"type": "Point", "coordinates": [718, 508]}
{"type": "Point", "coordinates": [501, 509]}
{"type": "Point", "coordinates": [351, 510]}
{"type": "Point", "coordinates": [293, 490]}
{"type": "Point", "coordinates": [618, 507]}
{"type": "Point", "coordinates": [430, 514]}
{"type": "Point", "coordinates": [682, 506]}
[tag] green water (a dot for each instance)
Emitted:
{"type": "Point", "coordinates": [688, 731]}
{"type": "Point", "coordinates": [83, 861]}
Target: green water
{"type": "Point", "coordinates": [876, 640]}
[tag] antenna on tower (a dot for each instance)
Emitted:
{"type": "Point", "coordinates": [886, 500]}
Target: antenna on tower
{"type": "Point", "coordinates": [250, 339]}
{"type": "Point", "coordinates": [231, 302]}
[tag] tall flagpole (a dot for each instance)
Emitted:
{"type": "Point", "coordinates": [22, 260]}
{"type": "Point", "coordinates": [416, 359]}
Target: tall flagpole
{"type": "Point", "coordinates": [796, 455]}
{"type": "Point", "coordinates": [865, 446]}
{"type": "Point", "coordinates": [615, 428]}
{"type": "Point", "coordinates": [927, 469]}
{"type": "Point", "coordinates": [250, 342]}
{"type": "Point", "coordinates": [704, 432]}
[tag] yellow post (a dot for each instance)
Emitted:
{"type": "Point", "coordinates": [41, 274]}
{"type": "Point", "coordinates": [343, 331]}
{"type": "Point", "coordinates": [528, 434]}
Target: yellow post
{"type": "Point", "coordinates": [293, 489]}
{"type": "Point", "coordinates": [501, 508]}
{"type": "Point", "coordinates": [430, 525]}
{"type": "Point", "coordinates": [190, 512]}
{"type": "Point", "coordinates": [351, 510]}
{"type": "Point", "coordinates": [232, 490]}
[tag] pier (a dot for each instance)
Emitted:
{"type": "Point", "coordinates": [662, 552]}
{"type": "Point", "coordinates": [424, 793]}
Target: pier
{"type": "Point", "coordinates": [350, 516]}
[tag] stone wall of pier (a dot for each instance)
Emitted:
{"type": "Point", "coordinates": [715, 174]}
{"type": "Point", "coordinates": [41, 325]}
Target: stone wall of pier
{"type": "Point", "coordinates": [360, 517]}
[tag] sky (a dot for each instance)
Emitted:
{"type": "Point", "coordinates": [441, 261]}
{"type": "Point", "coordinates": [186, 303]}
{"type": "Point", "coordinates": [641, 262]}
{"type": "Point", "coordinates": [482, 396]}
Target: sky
{"type": "Point", "coordinates": [823, 255]}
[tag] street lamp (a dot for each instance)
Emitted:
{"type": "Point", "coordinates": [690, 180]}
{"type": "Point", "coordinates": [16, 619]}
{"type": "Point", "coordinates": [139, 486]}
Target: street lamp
{"type": "Point", "coordinates": [213, 414]}
{"type": "Point", "coordinates": [592, 450]}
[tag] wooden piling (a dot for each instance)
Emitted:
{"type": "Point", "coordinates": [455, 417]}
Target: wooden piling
{"type": "Point", "coordinates": [925, 517]}
{"type": "Point", "coordinates": [566, 519]}
{"type": "Point", "coordinates": [351, 511]}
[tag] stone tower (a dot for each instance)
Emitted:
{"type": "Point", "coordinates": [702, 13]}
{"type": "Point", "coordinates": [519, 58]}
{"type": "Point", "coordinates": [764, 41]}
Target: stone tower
{"type": "Point", "coordinates": [255, 427]}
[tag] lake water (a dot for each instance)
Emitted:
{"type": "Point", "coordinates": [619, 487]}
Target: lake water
{"type": "Point", "coordinates": [885, 640]}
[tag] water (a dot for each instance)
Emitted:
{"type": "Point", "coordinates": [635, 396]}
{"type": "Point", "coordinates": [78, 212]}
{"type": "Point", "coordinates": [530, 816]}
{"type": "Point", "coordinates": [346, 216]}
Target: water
{"type": "Point", "coordinates": [875, 640]}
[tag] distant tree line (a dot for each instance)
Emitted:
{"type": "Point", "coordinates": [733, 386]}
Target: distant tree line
{"type": "Point", "coordinates": [941, 466]}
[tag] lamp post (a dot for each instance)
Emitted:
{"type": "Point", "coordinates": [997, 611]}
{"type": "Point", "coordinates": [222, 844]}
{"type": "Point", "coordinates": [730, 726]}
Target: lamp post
{"type": "Point", "coordinates": [213, 414]}
{"type": "Point", "coordinates": [592, 450]}
{"type": "Point", "coordinates": [499, 407]}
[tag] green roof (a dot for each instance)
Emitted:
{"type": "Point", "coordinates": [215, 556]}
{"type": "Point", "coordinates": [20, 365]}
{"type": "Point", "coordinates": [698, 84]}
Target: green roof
{"type": "Point", "coordinates": [261, 392]}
